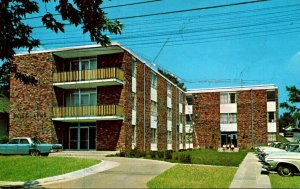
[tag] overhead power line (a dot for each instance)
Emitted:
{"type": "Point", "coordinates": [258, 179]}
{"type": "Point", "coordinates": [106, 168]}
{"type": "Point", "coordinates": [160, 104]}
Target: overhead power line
{"type": "Point", "coordinates": [108, 7]}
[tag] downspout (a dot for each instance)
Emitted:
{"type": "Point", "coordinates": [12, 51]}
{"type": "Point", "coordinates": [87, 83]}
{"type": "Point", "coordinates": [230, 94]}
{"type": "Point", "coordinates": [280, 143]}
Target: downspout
{"type": "Point", "coordinates": [252, 131]}
{"type": "Point", "coordinates": [144, 107]}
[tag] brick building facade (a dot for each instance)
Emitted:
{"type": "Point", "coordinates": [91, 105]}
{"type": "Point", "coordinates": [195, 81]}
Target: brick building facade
{"type": "Point", "coordinates": [244, 116]}
{"type": "Point", "coordinates": [96, 98]}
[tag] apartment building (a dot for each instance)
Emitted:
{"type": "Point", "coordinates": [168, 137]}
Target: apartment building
{"type": "Point", "coordinates": [96, 98]}
{"type": "Point", "coordinates": [244, 116]}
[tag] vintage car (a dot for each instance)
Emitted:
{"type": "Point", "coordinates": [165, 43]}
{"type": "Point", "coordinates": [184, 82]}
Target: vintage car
{"type": "Point", "coordinates": [27, 145]}
{"type": "Point", "coordinates": [286, 164]}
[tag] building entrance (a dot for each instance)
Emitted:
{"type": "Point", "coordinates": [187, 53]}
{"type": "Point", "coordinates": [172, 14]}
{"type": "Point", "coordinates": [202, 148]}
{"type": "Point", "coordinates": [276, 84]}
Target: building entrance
{"type": "Point", "coordinates": [229, 138]}
{"type": "Point", "coordinates": [82, 138]}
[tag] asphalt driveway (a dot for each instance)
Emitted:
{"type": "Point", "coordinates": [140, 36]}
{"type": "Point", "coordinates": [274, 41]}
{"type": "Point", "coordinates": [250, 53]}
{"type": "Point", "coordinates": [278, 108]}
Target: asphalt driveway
{"type": "Point", "coordinates": [131, 173]}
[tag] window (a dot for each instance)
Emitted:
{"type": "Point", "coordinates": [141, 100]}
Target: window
{"type": "Point", "coordinates": [14, 141]}
{"type": "Point", "coordinates": [133, 67]}
{"type": "Point", "coordinates": [153, 80]}
{"type": "Point", "coordinates": [24, 141]}
{"type": "Point", "coordinates": [169, 114]}
{"type": "Point", "coordinates": [153, 108]}
{"type": "Point", "coordinates": [180, 97]}
{"type": "Point", "coordinates": [81, 97]}
{"type": "Point", "coordinates": [180, 138]}
{"type": "Point", "coordinates": [188, 119]}
{"type": "Point", "coordinates": [271, 137]}
{"type": "Point", "coordinates": [189, 100]}
{"type": "Point", "coordinates": [81, 64]}
{"type": "Point", "coordinates": [189, 137]}
{"type": "Point", "coordinates": [271, 117]}
{"type": "Point", "coordinates": [169, 89]}
{"type": "Point", "coordinates": [228, 118]}
{"type": "Point", "coordinates": [180, 118]}
{"type": "Point", "coordinates": [153, 135]}
{"type": "Point", "coordinates": [133, 101]}
{"type": "Point", "coordinates": [133, 134]}
{"type": "Point", "coordinates": [228, 98]}
{"type": "Point", "coordinates": [169, 137]}
{"type": "Point", "coordinates": [271, 96]}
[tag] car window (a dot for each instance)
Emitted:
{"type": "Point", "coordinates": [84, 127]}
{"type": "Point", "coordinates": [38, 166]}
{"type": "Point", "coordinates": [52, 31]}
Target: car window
{"type": "Point", "coordinates": [24, 141]}
{"type": "Point", "coordinates": [36, 141]}
{"type": "Point", "coordinates": [14, 141]}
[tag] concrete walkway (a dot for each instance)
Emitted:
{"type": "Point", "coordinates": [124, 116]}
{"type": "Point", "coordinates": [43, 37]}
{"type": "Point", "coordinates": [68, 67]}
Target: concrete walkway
{"type": "Point", "coordinates": [249, 174]}
{"type": "Point", "coordinates": [131, 173]}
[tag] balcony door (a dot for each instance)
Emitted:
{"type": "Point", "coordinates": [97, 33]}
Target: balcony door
{"type": "Point", "coordinates": [82, 138]}
{"type": "Point", "coordinates": [81, 98]}
{"type": "Point", "coordinates": [81, 64]}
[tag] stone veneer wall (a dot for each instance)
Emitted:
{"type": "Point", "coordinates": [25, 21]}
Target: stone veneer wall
{"type": "Point", "coordinates": [31, 105]}
{"type": "Point", "coordinates": [162, 130]}
{"type": "Point", "coordinates": [206, 115]}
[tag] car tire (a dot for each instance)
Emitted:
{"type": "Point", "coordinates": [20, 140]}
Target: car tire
{"type": "Point", "coordinates": [285, 170]}
{"type": "Point", "coordinates": [34, 153]}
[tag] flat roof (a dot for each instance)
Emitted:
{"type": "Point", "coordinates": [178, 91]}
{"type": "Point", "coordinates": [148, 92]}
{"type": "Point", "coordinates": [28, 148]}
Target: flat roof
{"type": "Point", "coordinates": [233, 89]}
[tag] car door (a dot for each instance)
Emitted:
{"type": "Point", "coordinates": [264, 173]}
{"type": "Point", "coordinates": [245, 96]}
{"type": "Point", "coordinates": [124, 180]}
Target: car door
{"type": "Point", "coordinates": [11, 147]}
{"type": "Point", "coordinates": [23, 146]}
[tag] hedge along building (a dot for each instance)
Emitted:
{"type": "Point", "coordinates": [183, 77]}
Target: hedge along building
{"type": "Point", "coordinates": [244, 116]}
{"type": "Point", "coordinates": [96, 98]}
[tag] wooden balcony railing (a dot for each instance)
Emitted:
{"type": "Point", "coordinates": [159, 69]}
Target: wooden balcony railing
{"type": "Point", "coordinates": [85, 75]}
{"type": "Point", "coordinates": [86, 111]}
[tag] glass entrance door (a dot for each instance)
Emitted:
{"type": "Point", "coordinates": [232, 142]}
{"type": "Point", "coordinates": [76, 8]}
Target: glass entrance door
{"type": "Point", "coordinates": [229, 138]}
{"type": "Point", "coordinates": [82, 138]}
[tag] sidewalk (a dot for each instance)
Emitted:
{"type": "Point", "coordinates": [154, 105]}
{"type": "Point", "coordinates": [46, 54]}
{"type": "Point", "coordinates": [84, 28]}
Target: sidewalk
{"type": "Point", "coordinates": [249, 174]}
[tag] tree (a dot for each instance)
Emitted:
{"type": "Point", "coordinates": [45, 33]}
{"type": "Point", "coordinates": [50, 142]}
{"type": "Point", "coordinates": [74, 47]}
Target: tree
{"type": "Point", "coordinates": [292, 107]}
{"type": "Point", "coordinates": [15, 34]}
{"type": "Point", "coordinates": [172, 78]}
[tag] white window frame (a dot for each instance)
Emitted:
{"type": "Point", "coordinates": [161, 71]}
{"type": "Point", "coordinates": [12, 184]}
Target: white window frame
{"type": "Point", "coordinates": [225, 98]}
{"type": "Point", "coordinates": [153, 136]}
{"type": "Point", "coordinates": [153, 80]}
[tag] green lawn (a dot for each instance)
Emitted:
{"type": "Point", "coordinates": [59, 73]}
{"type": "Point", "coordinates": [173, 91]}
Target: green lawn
{"type": "Point", "coordinates": [213, 157]}
{"type": "Point", "coordinates": [24, 168]}
{"type": "Point", "coordinates": [193, 176]}
{"type": "Point", "coordinates": [284, 182]}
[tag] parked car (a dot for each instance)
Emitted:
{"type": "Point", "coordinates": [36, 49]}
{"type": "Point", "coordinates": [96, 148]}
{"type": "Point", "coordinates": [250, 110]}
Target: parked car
{"type": "Point", "coordinates": [27, 145]}
{"type": "Point", "coordinates": [286, 164]}
{"type": "Point", "coordinates": [292, 148]}
{"type": "Point", "coordinates": [272, 145]}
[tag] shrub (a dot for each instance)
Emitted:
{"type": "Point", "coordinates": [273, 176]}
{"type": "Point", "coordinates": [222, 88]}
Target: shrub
{"type": "Point", "coordinates": [122, 154]}
{"type": "Point", "coordinates": [4, 139]}
{"type": "Point", "coordinates": [168, 154]}
{"type": "Point", "coordinates": [160, 154]}
{"type": "Point", "coordinates": [153, 154]}
{"type": "Point", "coordinates": [185, 158]}
{"type": "Point", "coordinates": [134, 153]}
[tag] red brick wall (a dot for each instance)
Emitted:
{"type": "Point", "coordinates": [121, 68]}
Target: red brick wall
{"type": "Point", "coordinates": [110, 60]}
{"type": "Point", "coordinates": [277, 115]}
{"type": "Point", "coordinates": [260, 117]}
{"type": "Point", "coordinates": [244, 119]}
{"type": "Point", "coordinates": [183, 120]}
{"type": "Point", "coordinates": [31, 105]}
{"type": "Point", "coordinates": [108, 135]}
{"type": "Point", "coordinates": [206, 115]}
{"type": "Point", "coordinates": [162, 132]}
{"type": "Point", "coordinates": [175, 118]}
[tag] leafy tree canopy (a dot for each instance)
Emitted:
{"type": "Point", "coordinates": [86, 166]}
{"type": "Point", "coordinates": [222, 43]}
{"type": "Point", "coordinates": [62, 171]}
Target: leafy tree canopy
{"type": "Point", "coordinates": [15, 33]}
{"type": "Point", "coordinates": [172, 78]}
{"type": "Point", "coordinates": [292, 107]}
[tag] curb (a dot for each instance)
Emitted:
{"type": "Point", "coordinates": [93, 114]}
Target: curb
{"type": "Point", "coordinates": [103, 166]}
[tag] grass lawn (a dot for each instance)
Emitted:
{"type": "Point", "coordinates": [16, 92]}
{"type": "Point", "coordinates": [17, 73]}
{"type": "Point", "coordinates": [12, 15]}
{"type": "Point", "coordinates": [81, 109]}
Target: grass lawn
{"type": "Point", "coordinates": [284, 182]}
{"type": "Point", "coordinates": [213, 157]}
{"type": "Point", "coordinates": [24, 168]}
{"type": "Point", "coordinates": [193, 176]}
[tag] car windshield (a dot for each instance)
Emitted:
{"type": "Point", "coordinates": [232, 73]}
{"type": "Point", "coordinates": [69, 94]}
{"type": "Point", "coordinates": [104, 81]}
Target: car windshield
{"type": "Point", "coordinates": [36, 141]}
{"type": "Point", "coordinates": [292, 148]}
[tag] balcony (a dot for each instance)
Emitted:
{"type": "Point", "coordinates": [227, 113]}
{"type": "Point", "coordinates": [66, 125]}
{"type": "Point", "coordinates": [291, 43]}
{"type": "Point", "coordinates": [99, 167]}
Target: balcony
{"type": "Point", "coordinates": [89, 78]}
{"type": "Point", "coordinates": [87, 113]}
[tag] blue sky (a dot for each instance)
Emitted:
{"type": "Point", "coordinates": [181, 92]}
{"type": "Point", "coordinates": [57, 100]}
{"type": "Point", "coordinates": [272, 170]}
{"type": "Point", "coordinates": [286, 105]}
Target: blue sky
{"type": "Point", "coordinates": [249, 44]}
